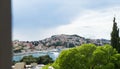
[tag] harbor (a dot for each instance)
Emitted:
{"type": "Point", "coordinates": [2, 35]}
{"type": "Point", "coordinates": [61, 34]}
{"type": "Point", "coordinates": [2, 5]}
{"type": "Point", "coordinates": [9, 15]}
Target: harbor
{"type": "Point", "coordinates": [52, 53]}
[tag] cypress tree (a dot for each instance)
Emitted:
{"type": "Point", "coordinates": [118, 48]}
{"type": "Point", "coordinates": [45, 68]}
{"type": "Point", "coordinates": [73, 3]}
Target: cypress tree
{"type": "Point", "coordinates": [115, 36]}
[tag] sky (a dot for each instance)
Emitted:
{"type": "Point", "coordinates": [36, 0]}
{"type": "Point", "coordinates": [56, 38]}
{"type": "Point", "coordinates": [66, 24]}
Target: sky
{"type": "Point", "coordinates": [38, 19]}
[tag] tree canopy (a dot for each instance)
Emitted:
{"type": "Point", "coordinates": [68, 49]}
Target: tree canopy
{"type": "Point", "coordinates": [28, 59]}
{"type": "Point", "coordinates": [88, 56]}
{"type": "Point", "coordinates": [40, 60]}
{"type": "Point", "coordinates": [115, 36]}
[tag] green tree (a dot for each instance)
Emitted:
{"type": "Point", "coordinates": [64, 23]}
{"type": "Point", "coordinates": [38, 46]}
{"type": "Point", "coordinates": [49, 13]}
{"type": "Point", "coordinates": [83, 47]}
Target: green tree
{"type": "Point", "coordinates": [88, 56]}
{"type": "Point", "coordinates": [28, 59]}
{"type": "Point", "coordinates": [40, 60]}
{"type": "Point", "coordinates": [44, 60]}
{"type": "Point", "coordinates": [101, 57]}
{"type": "Point", "coordinates": [115, 36]}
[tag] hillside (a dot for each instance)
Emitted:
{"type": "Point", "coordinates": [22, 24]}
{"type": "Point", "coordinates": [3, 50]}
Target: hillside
{"type": "Point", "coordinates": [55, 42]}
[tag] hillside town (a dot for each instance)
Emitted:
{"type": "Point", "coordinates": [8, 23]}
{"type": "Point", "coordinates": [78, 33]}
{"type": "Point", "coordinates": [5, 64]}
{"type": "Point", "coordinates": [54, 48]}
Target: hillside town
{"type": "Point", "coordinates": [55, 42]}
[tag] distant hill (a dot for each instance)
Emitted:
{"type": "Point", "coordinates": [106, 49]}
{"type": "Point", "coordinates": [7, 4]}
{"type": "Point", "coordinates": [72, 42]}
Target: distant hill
{"type": "Point", "coordinates": [56, 41]}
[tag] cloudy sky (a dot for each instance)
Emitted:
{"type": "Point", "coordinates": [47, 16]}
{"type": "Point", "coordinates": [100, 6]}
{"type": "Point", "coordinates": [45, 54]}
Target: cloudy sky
{"type": "Point", "coordinates": [39, 19]}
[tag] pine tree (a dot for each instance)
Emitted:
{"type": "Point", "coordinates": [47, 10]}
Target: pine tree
{"type": "Point", "coordinates": [115, 36]}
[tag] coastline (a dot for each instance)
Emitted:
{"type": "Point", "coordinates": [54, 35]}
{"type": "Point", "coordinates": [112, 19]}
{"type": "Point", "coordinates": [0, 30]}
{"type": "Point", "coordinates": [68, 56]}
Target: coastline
{"type": "Point", "coordinates": [32, 52]}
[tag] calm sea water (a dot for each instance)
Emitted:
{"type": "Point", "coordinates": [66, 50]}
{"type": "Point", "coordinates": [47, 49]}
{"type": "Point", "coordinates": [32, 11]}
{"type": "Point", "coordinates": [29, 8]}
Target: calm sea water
{"type": "Point", "coordinates": [53, 55]}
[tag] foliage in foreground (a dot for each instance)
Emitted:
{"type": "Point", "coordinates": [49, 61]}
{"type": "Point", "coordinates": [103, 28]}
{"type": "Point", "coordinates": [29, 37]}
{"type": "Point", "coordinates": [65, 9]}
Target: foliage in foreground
{"type": "Point", "coordinates": [88, 56]}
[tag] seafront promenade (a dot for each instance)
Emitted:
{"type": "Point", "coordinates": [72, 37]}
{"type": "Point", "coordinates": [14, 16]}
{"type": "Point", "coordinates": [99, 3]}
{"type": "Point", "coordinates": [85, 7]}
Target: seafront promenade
{"type": "Point", "coordinates": [43, 52]}
{"type": "Point", "coordinates": [31, 52]}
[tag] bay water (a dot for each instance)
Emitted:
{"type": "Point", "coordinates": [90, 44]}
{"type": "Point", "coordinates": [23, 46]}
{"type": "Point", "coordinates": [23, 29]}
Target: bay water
{"type": "Point", "coordinates": [18, 57]}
